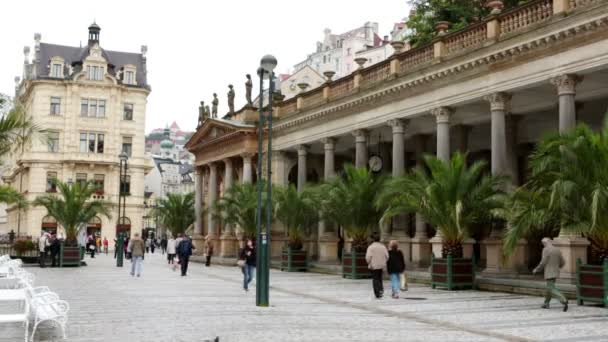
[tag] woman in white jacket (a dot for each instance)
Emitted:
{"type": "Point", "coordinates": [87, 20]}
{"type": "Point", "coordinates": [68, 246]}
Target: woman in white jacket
{"type": "Point", "coordinates": [170, 250]}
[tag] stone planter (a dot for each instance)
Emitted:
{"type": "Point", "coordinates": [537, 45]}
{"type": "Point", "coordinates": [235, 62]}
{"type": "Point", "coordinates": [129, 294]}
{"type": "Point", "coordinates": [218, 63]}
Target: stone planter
{"type": "Point", "coordinates": [294, 260]}
{"type": "Point", "coordinates": [354, 266]}
{"type": "Point", "coordinates": [452, 273]}
{"type": "Point", "coordinates": [70, 255]}
{"type": "Point", "coordinates": [592, 283]}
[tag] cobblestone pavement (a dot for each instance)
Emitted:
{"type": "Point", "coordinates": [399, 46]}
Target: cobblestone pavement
{"type": "Point", "coordinates": [107, 304]}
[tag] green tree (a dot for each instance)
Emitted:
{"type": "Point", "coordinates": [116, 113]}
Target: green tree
{"type": "Point", "coordinates": [176, 212]}
{"type": "Point", "coordinates": [451, 196]}
{"type": "Point", "coordinates": [73, 206]}
{"type": "Point", "coordinates": [568, 189]}
{"type": "Point", "coordinates": [349, 201]}
{"type": "Point", "coordinates": [238, 207]}
{"type": "Point", "coordinates": [458, 13]}
{"type": "Point", "coordinates": [297, 211]}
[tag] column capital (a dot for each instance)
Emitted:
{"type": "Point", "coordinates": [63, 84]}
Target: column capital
{"type": "Point", "coordinates": [442, 114]}
{"type": "Point", "coordinates": [566, 84]}
{"type": "Point", "coordinates": [303, 150]}
{"type": "Point", "coordinates": [212, 165]}
{"type": "Point", "coordinates": [247, 156]}
{"type": "Point", "coordinates": [398, 125]}
{"type": "Point", "coordinates": [227, 161]}
{"type": "Point", "coordinates": [329, 141]}
{"type": "Point", "coordinates": [499, 101]}
{"type": "Point", "coordinates": [360, 135]}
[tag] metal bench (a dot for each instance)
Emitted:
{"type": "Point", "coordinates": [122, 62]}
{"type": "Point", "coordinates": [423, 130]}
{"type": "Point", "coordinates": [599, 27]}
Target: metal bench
{"type": "Point", "coordinates": [49, 311]}
{"type": "Point", "coordinates": [21, 317]}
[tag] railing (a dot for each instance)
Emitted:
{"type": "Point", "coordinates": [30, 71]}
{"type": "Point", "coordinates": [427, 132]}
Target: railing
{"type": "Point", "coordinates": [342, 87]}
{"type": "Point", "coordinates": [579, 3]}
{"type": "Point", "coordinates": [314, 98]}
{"type": "Point", "coordinates": [376, 73]}
{"type": "Point", "coordinates": [289, 106]}
{"type": "Point", "coordinates": [526, 15]}
{"type": "Point", "coordinates": [414, 57]}
{"type": "Point", "coordinates": [467, 38]}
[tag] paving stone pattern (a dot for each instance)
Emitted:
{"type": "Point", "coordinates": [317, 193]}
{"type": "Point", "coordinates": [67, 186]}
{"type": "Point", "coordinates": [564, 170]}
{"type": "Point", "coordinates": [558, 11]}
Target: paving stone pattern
{"type": "Point", "coordinates": [107, 304]}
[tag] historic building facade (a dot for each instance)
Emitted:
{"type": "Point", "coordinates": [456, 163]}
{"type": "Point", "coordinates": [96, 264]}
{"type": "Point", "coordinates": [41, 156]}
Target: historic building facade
{"type": "Point", "coordinates": [92, 104]}
{"type": "Point", "coordinates": [492, 89]}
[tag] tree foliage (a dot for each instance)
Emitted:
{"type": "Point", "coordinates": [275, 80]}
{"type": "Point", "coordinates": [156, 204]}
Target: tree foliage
{"type": "Point", "coordinates": [457, 12]}
{"type": "Point", "coordinates": [298, 211]}
{"type": "Point", "coordinates": [238, 207]}
{"type": "Point", "coordinates": [176, 212]}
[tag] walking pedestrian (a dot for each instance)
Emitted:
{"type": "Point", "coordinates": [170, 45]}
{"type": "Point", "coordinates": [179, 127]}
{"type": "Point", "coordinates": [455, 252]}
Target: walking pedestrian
{"type": "Point", "coordinates": [376, 257]}
{"type": "Point", "coordinates": [43, 246]}
{"type": "Point", "coordinates": [148, 245]}
{"type": "Point", "coordinates": [55, 248]}
{"type": "Point", "coordinates": [98, 244]}
{"type": "Point", "coordinates": [184, 250]}
{"type": "Point", "coordinates": [248, 260]}
{"type": "Point", "coordinates": [179, 239]}
{"type": "Point", "coordinates": [395, 266]}
{"type": "Point", "coordinates": [105, 245]}
{"type": "Point", "coordinates": [91, 245]}
{"type": "Point", "coordinates": [551, 262]}
{"type": "Point", "coordinates": [208, 250]}
{"type": "Point", "coordinates": [136, 248]}
{"type": "Point", "coordinates": [171, 251]}
{"type": "Point", "coordinates": [152, 245]}
{"type": "Point", "coordinates": [163, 245]}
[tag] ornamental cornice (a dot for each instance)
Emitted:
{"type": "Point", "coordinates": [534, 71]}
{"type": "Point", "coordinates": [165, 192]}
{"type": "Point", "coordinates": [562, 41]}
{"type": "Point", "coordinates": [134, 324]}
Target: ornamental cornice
{"type": "Point", "coordinates": [499, 101]}
{"type": "Point", "coordinates": [442, 114]}
{"type": "Point", "coordinates": [433, 76]}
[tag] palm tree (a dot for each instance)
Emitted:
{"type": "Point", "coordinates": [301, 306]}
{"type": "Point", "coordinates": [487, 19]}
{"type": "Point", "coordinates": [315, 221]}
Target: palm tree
{"type": "Point", "coordinates": [349, 201]}
{"type": "Point", "coordinates": [238, 207]}
{"type": "Point", "coordinates": [175, 212]}
{"type": "Point", "coordinates": [297, 211]}
{"type": "Point", "coordinates": [451, 196]}
{"type": "Point", "coordinates": [73, 207]}
{"type": "Point", "coordinates": [569, 184]}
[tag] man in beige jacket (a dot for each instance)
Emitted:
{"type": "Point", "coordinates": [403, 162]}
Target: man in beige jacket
{"type": "Point", "coordinates": [551, 262]}
{"type": "Point", "coordinates": [376, 257]}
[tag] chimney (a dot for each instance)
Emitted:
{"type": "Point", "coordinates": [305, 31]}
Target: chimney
{"type": "Point", "coordinates": [26, 55]}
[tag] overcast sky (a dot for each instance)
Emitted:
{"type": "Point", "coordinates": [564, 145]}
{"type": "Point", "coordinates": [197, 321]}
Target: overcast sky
{"type": "Point", "coordinates": [195, 48]}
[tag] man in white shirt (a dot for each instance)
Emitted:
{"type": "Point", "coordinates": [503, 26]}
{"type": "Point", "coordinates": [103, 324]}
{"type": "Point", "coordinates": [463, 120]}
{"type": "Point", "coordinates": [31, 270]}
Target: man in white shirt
{"type": "Point", "coordinates": [43, 244]}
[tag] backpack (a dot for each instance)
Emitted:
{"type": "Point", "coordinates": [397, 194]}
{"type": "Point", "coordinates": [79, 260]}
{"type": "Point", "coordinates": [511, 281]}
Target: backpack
{"type": "Point", "coordinates": [185, 247]}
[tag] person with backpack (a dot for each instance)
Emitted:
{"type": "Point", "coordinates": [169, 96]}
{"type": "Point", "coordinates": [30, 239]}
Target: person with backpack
{"type": "Point", "coordinates": [184, 250]}
{"type": "Point", "coordinates": [395, 267]}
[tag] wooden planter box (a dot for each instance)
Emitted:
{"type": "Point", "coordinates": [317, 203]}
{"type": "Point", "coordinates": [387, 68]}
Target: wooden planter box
{"type": "Point", "coordinates": [592, 283]}
{"type": "Point", "coordinates": [452, 273]}
{"type": "Point", "coordinates": [294, 261]}
{"type": "Point", "coordinates": [69, 255]}
{"type": "Point", "coordinates": [27, 257]}
{"type": "Point", "coordinates": [354, 266]}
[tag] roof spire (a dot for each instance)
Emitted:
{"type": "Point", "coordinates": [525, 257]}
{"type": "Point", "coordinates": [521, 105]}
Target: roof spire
{"type": "Point", "coordinates": [94, 30]}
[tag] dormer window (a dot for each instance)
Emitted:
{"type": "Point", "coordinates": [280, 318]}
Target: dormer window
{"type": "Point", "coordinates": [129, 74]}
{"type": "Point", "coordinates": [56, 66]}
{"type": "Point", "coordinates": [95, 73]}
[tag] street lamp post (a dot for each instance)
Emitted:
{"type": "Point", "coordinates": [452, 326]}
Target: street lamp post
{"type": "Point", "coordinates": [267, 65]}
{"type": "Point", "coordinates": [121, 200]}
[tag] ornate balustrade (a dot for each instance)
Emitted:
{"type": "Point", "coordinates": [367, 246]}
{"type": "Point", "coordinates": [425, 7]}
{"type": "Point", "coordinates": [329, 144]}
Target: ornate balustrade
{"type": "Point", "coordinates": [288, 106]}
{"type": "Point", "coordinates": [342, 87]}
{"type": "Point", "coordinates": [314, 98]}
{"type": "Point", "coordinates": [469, 37]}
{"type": "Point", "coordinates": [412, 58]}
{"type": "Point", "coordinates": [376, 73]}
{"type": "Point", "coordinates": [525, 15]}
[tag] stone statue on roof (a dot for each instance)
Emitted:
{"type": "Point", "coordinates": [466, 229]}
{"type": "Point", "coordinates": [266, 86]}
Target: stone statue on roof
{"type": "Point", "coordinates": [214, 104]}
{"type": "Point", "coordinates": [208, 112]}
{"type": "Point", "coordinates": [230, 99]}
{"type": "Point", "coordinates": [201, 114]}
{"type": "Point", "coordinates": [248, 90]}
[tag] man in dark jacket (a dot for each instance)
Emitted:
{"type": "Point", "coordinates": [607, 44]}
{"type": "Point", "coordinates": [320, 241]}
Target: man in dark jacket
{"type": "Point", "coordinates": [184, 250]}
{"type": "Point", "coordinates": [55, 247]}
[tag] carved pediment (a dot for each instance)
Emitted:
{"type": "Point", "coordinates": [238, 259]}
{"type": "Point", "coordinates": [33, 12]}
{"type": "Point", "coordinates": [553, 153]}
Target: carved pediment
{"type": "Point", "coordinates": [215, 129]}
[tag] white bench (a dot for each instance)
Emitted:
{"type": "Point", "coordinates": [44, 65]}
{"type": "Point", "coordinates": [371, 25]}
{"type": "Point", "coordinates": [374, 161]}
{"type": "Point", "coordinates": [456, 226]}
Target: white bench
{"type": "Point", "coordinates": [21, 317]}
{"type": "Point", "coordinates": [49, 311]}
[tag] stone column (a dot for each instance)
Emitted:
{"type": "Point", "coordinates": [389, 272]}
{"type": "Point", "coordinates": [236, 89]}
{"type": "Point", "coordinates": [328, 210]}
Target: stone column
{"type": "Point", "coordinates": [360, 147]}
{"type": "Point", "coordinates": [212, 229]}
{"type": "Point", "coordinates": [572, 246]}
{"type": "Point", "coordinates": [302, 153]}
{"type": "Point", "coordinates": [228, 242]}
{"type": "Point", "coordinates": [442, 115]}
{"type": "Point", "coordinates": [198, 201]}
{"type": "Point", "coordinates": [566, 90]}
{"type": "Point", "coordinates": [421, 248]}
{"type": "Point", "coordinates": [247, 168]}
{"type": "Point", "coordinates": [328, 241]}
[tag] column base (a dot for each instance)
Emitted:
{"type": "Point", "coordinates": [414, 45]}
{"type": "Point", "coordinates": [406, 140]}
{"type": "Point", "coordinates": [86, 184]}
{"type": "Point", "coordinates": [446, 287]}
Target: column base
{"type": "Point", "coordinates": [421, 252]}
{"type": "Point", "coordinates": [328, 249]}
{"type": "Point", "coordinates": [497, 264]}
{"type": "Point", "coordinates": [572, 248]}
{"type": "Point", "coordinates": [228, 246]}
{"type": "Point", "coordinates": [467, 248]}
{"type": "Point", "coordinates": [198, 241]}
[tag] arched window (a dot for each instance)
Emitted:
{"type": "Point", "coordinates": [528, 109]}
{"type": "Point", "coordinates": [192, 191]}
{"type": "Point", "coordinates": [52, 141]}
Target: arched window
{"type": "Point", "coordinates": [94, 226]}
{"type": "Point", "coordinates": [49, 225]}
{"type": "Point", "coordinates": [124, 225]}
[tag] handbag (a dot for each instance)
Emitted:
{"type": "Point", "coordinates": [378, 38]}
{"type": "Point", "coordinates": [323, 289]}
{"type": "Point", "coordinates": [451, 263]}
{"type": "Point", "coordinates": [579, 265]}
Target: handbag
{"type": "Point", "coordinates": [91, 247]}
{"type": "Point", "coordinates": [240, 263]}
{"type": "Point", "coordinates": [403, 281]}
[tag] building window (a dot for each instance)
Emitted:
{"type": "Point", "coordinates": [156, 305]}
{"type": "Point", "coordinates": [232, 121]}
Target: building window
{"type": "Point", "coordinates": [84, 107]}
{"type": "Point", "coordinates": [95, 73]}
{"type": "Point", "coordinates": [127, 146]}
{"type": "Point", "coordinates": [348, 52]}
{"type": "Point", "coordinates": [93, 108]}
{"type": "Point", "coordinates": [51, 182]}
{"type": "Point", "coordinates": [91, 142]}
{"type": "Point", "coordinates": [98, 180]}
{"type": "Point", "coordinates": [101, 108]}
{"type": "Point", "coordinates": [81, 178]}
{"type": "Point", "coordinates": [125, 185]}
{"type": "Point", "coordinates": [57, 70]}
{"type": "Point", "coordinates": [55, 105]}
{"type": "Point", "coordinates": [53, 141]}
{"type": "Point", "coordinates": [129, 77]}
{"type": "Point", "coordinates": [128, 111]}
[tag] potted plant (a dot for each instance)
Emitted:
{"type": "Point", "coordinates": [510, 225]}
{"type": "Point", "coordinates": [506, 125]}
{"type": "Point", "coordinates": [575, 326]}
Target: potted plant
{"type": "Point", "coordinates": [453, 198]}
{"type": "Point", "coordinates": [72, 207]}
{"type": "Point", "coordinates": [568, 187]}
{"type": "Point", "coordinates": [175, 212]}
{"type": "Point", "coordinates": [349, 201]}
{"type": "Point", "coordinates": [298, 212]}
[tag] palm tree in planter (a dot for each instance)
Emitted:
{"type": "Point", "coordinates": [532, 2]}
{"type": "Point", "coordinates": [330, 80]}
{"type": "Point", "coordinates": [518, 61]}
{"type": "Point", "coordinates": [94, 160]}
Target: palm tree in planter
{"type": "Point", "coordinates": [72, 207]}
{"type": "Point", "coordinates": [454, 198]}
{"type": "Point", "coordinates": [175, 212]}
{"type": "Point", "coordinates": [238, 207]}
{"type": "Point", "coordinates": [349, 201]}
{"type": "Point", "coordinates": [298, 211]}
{"type": "Point", "coordinates": [569, 184]}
